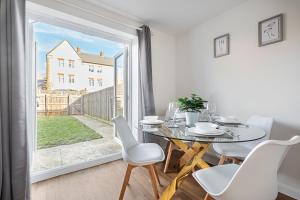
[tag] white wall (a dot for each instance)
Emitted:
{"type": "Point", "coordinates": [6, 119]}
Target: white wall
{"type": "Point", "coordinates": [163, 69]}
{"type": "Point", "coordinates": [263, 80]}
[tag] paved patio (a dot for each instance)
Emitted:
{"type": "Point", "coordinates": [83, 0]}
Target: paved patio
{"type": "Point", "coordinates": [45, 159]}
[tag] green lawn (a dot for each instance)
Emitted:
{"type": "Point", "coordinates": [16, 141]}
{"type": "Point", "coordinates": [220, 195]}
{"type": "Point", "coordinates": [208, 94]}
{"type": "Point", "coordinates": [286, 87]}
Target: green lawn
{"type": "Point", "coordinates": [59, 130]}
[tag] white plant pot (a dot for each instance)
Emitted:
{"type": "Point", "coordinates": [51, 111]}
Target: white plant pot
{"type": "Point", "coordinates": [191, 117]}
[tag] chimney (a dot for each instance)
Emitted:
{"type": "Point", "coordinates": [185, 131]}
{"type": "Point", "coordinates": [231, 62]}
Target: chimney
{"type": "Point", "coordinates": [101, 53]}
{"type": "Point", "coordinates": [78, 50]}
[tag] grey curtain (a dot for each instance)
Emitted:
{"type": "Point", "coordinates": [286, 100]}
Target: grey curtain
{"type": "Point", "coordinates": [146, 98]}
{"type": "Point", "coordinates": [145, 67]}
{"type": "Point", "coordinates": [13, 138]}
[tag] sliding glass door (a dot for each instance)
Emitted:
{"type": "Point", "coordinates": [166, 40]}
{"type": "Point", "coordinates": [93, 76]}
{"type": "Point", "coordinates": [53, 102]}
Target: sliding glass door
{"type": "Point", "coordinates": [120, 101]}
{"type": "Point", "coordinates": [80, 85]}
{"type": "Point", "coordinates": [120, 80]}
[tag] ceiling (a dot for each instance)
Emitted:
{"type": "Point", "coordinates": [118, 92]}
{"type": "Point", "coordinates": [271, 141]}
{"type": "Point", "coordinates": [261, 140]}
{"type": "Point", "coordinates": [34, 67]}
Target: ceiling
{"type": "Point", "coordinates": [171, 16]}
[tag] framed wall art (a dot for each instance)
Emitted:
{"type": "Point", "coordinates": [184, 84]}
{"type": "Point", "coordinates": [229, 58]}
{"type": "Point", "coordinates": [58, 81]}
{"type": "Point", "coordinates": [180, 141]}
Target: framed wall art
{"type": "Point", "coordinates": [270, 30]}
{"type": "Point", "coordinates": [221, 45]}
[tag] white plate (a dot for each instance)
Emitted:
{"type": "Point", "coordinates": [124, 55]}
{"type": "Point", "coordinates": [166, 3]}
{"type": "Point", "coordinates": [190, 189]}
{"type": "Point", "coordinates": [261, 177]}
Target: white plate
{"type": "Point", "coordinates": [152, 122]}
{"type": "Point", "coordinates": [151, 117]}
{"type": "Point", "coordinates": [197, 131]}
{"type": "Point", "coordinates": [227, 120]}
{"type": "Point", "coordinates": [206, 126]}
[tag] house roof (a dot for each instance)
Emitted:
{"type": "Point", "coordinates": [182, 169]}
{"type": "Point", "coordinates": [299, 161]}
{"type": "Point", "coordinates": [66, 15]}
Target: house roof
{"type": "Point", "coordinates": [88, 58]}
{"type": "Point", "coordinates": [96, 59]}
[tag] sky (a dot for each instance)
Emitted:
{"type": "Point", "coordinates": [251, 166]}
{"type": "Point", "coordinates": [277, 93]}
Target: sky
{"type": "Point", "coordinates": [48, 36]}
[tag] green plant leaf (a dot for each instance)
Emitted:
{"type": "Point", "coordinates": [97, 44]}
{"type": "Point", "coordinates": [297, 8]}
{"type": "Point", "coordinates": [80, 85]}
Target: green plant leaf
{"type": "Point", "coordinates": [194, 103]}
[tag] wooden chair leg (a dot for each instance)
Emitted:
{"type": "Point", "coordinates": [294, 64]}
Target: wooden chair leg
{"type": "Point", "coordinates": [222, 160]}
{"type": "Point", "coordinates": [169, 153]}
{"type": "Point", "coordinates": [236, 161]}
{"type": "Point", "coordinates": [126, 180]}
{"type": "Point", "coordinates": [153, 180]}
{"type": "Point", "coordinates": [157, 177]}
{"type": "Point", "coordinates": [207, 197]}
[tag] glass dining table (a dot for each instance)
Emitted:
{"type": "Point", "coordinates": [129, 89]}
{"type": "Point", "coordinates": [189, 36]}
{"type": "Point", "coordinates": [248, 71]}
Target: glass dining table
{"type": "Point", "coordinates": [199, 144]}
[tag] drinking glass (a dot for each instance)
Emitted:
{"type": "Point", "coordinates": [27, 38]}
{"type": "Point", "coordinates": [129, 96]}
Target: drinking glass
{"type": "Point", "coordinates": [171, 112]}
{"type": "Point", "coordinates": [212, 109]}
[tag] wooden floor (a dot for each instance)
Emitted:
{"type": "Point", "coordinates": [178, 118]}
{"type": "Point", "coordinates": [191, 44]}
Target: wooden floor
{"type": "Point", "coordinates": [104, 183]}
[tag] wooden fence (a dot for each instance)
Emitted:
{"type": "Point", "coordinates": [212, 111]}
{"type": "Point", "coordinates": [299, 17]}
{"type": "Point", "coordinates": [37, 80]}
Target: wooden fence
{"type": "Point", "coordinates": [97, 104]}
{"type": "Point", "coordinates": [56, 104]}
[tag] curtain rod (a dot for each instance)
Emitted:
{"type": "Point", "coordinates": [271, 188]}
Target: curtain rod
{"type": "Point", "coordinates": [99, 15]}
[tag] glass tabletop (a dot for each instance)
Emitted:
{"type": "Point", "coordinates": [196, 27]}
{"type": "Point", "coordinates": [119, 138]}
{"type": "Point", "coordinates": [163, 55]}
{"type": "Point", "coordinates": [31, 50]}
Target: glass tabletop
{"type": "Point", "coordinates": [242, 133]}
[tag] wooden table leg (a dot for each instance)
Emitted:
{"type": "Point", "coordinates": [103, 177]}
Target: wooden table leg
{"type": "Point", "coordinates": [195, 153]}
{"type": "Point", "coordinates": [169, 153]}
{"type": "Point", "coordinates": [189, 152]}
{"type": "Point", "coordinates": [222, 160]}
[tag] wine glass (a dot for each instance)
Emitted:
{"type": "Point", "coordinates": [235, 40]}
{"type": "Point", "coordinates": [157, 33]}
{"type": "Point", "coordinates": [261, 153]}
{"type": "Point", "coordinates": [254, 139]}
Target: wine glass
{"type": "Point", "coordinates": [171, 112]}
{"type": "Point", "coordinates": [212, 109]}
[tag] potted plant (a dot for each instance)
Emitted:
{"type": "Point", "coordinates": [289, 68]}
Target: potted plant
{"type": "Point", "coordinates": [192, 106]}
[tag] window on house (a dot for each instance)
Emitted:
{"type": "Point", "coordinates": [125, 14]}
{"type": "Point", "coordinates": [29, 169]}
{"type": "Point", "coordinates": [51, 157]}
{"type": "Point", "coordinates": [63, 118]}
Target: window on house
{"type": "Point", "coordinates": [99, 82]}
{"type": "Point", "coordinates": [61, 78]}
{"type": "Point", "coordinates": [71, 78]}
{"type": "Point", "coordinates": [91, 68]}
{"type": "Point", "coordinates": [61, 62]}
{"type": "Point", "coordinates": [91, 82]}
{"type": "Point", "coordinates": [99, 70]}
{"type": "Point", "coordinates": [71, 63]}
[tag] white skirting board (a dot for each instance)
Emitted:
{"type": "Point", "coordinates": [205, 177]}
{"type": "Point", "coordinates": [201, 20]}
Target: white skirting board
{"type": "Point", "coordinates": [289, 186]}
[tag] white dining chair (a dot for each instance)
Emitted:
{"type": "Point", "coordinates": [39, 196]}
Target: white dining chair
{"type": "Point", "coordinates": [239, 151]}
{"type": "Point", "coordinates": [138, 155]}
{"type": "Point", "coordinates": [255, 179]}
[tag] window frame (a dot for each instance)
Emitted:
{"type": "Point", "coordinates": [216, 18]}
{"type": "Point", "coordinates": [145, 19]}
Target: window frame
{"type": "Point", "coordinates": [99, 70]}
{"type": "Point", "coordinates": [61, 62]}
{"type": "Point", "coordinates": [38, 13]}
{"type": "Point", "coordinates": [61, 76]}
{"type": "Point", "coordinates": [91, 68]}
{"type": "Point", "coordinates": [71, 63]}
{"type": "Point", "coordinates": [71, 77]}
{"type": "Point", "coordinates": [100, 82]}
{"type": "Point", "coordinates": [91, 80]}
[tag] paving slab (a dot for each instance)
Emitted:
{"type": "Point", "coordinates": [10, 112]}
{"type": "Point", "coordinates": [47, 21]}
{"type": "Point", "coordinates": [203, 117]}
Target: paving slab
{"type": "Point", "coordinates": [50, 158]}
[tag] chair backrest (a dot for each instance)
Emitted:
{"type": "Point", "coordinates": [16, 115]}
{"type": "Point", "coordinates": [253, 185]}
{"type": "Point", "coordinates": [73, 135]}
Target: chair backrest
{"type": "Point", "coordinates": [124, 132]}
{"type": "Point", "coordinates": [264, 123]}
{"type": "Point", "coordinates": [256, 178]}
